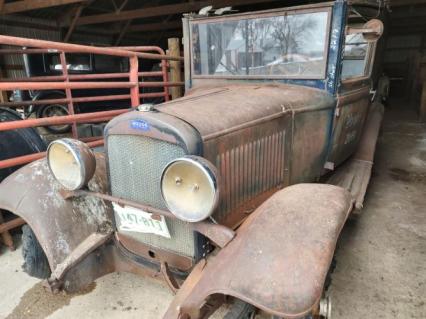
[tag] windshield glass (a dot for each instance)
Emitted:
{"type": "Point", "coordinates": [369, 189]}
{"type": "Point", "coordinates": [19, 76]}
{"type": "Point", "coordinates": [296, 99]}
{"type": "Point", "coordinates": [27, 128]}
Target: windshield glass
{"type": "Point", "coordinates": [288, 45]}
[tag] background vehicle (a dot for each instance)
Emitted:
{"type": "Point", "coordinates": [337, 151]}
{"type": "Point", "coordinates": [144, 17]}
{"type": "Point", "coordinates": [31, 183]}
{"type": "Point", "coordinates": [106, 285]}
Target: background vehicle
{"type": "Point", "coordinates": [48, 64]}
{"type": "Point", "coordinates": [218, 185]}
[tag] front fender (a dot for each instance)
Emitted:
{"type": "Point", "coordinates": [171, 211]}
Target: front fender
{"type": "Point", "coordinates": [279, 258]}
{"type": "Point", "coordinates": [60, 225]}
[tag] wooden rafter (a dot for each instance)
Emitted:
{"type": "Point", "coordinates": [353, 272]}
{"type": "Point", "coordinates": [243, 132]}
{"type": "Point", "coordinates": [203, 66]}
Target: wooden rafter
{"type": "Point", "coordinates": [400, 3]}
{"type": "Point", "coordinates": [73, 23]}
{"type": "Point", "coordinates": [27, 5]}
{"type": "Point", "coordinates": [122, 32]}
{"type": "Point", "coordinates": [156, 26]}
{"type": "Point", "coordinates": [118, 9]}
{"type": "Point", "coordinates": [163, 10]}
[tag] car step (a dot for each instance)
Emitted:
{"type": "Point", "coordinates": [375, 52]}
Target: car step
{"type": "Point", "coordinates": [355, 174]}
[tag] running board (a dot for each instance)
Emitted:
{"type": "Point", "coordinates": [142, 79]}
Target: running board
{"type": "Point", "coordinates": [355, 174]}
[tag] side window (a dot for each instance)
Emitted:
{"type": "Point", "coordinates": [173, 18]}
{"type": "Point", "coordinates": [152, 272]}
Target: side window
{"type": "Point", "coordinates": [357, 56]}
{"type": "Point", "coordinates": [75, 62]}
{"type": "Point", "coordinates": [111, 64]}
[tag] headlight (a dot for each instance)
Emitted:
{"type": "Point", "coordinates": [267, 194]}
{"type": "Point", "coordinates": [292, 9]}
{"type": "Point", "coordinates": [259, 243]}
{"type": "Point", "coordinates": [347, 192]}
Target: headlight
{"type": "Point", "coordinates": [71, 162]}
{"type": "Point", "coordinates": [190, 188]}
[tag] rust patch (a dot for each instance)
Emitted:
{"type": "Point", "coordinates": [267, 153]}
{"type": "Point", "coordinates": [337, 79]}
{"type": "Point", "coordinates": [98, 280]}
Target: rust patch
{"type": "Point", "coordinates": [400, 174]}
{"type": "Point", "coordinates": [37, 303]}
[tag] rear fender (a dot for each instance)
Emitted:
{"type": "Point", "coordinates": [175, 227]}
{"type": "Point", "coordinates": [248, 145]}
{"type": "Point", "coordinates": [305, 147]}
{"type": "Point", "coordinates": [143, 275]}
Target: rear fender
{"type": "Point", "coordinates": [60, 225]}
{"type": "Point", "coordinates": [278, 260]}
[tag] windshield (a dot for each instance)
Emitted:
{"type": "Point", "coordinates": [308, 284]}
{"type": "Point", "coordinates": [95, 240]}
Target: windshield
{"type": "Point", "coordinates": [291, 45]}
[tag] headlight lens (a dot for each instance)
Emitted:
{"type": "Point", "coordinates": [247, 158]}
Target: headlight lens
{"type": "Point", "coordinates": [71, 162]}
{"type": "Point", "coordinates": [189, 187]}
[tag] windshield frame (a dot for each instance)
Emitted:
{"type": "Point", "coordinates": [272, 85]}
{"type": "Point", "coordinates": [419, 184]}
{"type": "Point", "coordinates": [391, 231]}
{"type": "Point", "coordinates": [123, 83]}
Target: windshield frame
{"type": "Point", "coordinates": [324, 7]}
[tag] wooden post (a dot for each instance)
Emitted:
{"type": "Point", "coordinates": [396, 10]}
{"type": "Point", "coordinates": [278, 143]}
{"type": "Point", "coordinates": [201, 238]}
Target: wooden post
{"type": "Point", "coordinates": [175, 67]}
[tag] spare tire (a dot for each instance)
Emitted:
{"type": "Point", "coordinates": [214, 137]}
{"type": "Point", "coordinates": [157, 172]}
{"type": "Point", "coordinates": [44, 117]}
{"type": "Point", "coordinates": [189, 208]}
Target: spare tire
{"type": "Point", "coordinates": [18, 142]}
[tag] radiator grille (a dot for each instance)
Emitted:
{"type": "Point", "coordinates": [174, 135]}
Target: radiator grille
{"type": "Point", "coordinates": [136, 164]}
{"type": "Point", "coordinates": [249, 170]}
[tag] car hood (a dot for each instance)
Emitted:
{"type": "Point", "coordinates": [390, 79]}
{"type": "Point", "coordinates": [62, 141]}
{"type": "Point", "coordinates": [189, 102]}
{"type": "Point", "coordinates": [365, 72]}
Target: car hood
{"type": "Point", "coordinates": [213, 110]}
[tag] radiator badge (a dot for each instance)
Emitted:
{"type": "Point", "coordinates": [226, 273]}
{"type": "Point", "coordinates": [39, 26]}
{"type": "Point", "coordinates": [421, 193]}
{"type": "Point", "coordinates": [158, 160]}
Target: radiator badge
{"type": "Point", "coordinates": [140, 125]}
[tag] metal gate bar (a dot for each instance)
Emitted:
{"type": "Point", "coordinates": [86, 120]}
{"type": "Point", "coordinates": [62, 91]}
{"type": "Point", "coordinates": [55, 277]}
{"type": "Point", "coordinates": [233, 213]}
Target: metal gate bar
{"type": "Point", "coordinates": [68, 82]}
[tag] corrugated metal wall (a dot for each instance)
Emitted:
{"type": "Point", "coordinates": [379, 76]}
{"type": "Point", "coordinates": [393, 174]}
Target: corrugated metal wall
{"type": "Point", "coordinates": [13, 64]}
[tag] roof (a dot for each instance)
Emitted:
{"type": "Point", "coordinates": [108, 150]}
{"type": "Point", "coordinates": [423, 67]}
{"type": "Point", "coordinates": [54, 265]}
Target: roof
{"type": "Point", "coordinates": [142, 20]}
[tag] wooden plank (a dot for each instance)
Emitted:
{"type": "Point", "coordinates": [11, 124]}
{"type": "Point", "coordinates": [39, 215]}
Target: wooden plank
{"type": "Point", "coordinates": [26, 5]}
{"type": "Point", "coordinates": [16, 222]}
{"type": "Point", "coordinates": [163, 10]}
{"type": "Point", "coordinates": [3, 94]}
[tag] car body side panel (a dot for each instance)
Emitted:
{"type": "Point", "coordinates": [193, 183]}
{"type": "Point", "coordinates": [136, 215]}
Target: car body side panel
{"type": "Point", "coordinates": [253, 162]}
{"type": "Point", "coordinates": [60, 225]}
{"type": "Point", "coordinates": [292, 234]}
{"type": "Point", "coordinates": [311, 138]}
{"type": "Point", "coordinates": [351, 113]}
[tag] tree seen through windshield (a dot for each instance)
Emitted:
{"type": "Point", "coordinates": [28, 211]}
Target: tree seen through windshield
{"type": "Point", "coordinates": [287, 45]}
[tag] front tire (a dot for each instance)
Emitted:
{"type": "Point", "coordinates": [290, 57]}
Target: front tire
{"type": "Point", "coordinates": [52, 110]}
{"type": "Point", "coordinates": [240, 310]}
{"type": "Point", "coordinates": [35, 260]}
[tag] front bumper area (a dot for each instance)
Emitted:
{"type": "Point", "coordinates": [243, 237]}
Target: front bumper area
{"type": "Point", "coordinates": [277, 262]}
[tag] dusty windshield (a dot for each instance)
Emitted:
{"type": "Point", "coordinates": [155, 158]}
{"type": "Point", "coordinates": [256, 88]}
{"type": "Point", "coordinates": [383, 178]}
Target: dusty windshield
{"type": "Point", "coordinates": [290, 45]}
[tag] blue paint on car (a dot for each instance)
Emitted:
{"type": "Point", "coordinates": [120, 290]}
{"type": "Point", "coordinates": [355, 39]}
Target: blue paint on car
{"type": "Point", "coordinates": [140, 125]}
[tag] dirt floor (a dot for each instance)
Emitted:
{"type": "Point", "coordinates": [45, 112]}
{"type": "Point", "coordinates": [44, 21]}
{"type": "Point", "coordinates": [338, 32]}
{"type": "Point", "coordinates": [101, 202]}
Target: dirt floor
{"type": "Point", "coordinates": [381, 259]}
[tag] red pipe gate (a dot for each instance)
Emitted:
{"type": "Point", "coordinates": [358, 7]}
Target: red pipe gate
{"type": "Point", "coordinates": [68, 82]}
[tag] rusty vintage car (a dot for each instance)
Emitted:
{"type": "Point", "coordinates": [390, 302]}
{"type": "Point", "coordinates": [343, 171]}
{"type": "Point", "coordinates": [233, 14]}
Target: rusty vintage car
{"type": "Point", "coordinates": [236, 192]}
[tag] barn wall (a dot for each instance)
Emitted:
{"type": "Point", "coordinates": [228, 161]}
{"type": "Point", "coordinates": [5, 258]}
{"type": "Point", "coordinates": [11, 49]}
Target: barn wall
{"type": "Point", "coordinates": [403, 61]}
{"type": "Point", "coordinates": [27, 27]}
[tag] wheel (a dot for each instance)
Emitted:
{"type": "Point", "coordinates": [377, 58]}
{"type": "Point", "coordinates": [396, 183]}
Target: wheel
{"type": "Point", "coordinates": [54, 110]}
{"type": "Point", "coordinates": [328, 278]}
{"type": "Point", "coordinates": [240, 310]}
{"type": "Point", "coordinates": [35, 260]}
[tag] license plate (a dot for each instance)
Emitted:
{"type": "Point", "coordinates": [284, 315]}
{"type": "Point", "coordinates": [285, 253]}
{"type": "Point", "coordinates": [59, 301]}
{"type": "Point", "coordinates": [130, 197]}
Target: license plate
{"type": "Point", "coordinates": [135, 220]}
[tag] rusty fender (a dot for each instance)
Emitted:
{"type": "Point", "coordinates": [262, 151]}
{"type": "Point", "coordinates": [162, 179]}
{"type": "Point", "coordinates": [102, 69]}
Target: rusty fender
{"type": "Point", "coordinates": [67, 230]}
{"type": "Point", "coordinates": [278, 260]}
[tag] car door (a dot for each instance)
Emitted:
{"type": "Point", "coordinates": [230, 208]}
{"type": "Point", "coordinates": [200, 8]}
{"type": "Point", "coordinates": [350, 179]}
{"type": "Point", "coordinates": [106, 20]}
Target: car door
{"type": "Point", "coordinates": [353, 97]}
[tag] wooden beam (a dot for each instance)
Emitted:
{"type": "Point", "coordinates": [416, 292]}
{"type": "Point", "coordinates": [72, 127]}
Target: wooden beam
{"type": "Point", "coordinates": [27, 5]}
{"type": "Point", "coordinates": [156, 26]}
{"type": "Point", "coordinates": [163, 10]}
{"type": "Point", "coordinates": [74, 21]}
{"type": "Point", "coordinates": [400, 3]}
{"type": "Point", "coordinates": [122, 32]}
{"type": "Point", "coordinates": [121, 7]}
